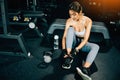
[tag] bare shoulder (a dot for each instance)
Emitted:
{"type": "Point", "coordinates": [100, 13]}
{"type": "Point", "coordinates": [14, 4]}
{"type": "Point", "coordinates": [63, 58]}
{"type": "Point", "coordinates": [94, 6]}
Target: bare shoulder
{"type": "Point", "coordinates": [88, 20]}
{"type": "Point", "coordinates": [68, 20]}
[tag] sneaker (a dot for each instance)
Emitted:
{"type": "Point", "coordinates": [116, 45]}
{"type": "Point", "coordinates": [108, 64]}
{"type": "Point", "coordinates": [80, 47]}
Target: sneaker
{"type": "Point", "coordinates": [67, 63]}
{"type": "Point", "coordinates": [84, 73]}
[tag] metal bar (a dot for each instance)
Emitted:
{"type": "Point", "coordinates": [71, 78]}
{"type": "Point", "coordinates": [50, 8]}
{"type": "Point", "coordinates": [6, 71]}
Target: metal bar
{"type": "Point", "coordinates": [21, 43]}
{"type": "Point", "coordinates": [34, 5]}
{"type": "Point", "coordinates": [38, 32]}
{"type": "Point", "coordinates": [10, 36]}
{"type": "Point", "coordinates": [4, 15]}
{"type": "Point", "coordinates": [3, 4]}
{"type": "Point", "coordinates": [12, 54]}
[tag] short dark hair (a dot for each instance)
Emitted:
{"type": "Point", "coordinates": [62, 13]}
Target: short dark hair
{"type": "Point", "coordinates": [75, 6]}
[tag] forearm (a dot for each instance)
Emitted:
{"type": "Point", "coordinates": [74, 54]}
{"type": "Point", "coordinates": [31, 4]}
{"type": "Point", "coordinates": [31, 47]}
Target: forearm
{"type": "Point", "coordinates": [86, 36]}
{"type": "Point", "coordinates": [81, 44]}
{"type": "Point", "coordinates": [63, 43]}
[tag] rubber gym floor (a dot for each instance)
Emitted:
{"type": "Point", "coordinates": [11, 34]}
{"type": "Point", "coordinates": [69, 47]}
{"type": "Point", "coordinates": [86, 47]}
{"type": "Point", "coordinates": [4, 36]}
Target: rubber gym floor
{"type": "Point", "coordinates": [20, 68]}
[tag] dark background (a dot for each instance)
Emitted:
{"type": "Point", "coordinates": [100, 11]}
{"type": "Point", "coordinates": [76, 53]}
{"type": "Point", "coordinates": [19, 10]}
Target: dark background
{"type": "Point", "coordinates": [13, 67]}
{"type": "Point", "coordinates": [96, 9]}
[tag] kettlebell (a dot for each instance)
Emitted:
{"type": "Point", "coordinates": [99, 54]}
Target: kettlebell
{"type": "Point", "coordinates": [47, 56]}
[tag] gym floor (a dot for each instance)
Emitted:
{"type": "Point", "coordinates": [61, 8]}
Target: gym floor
{"type": "Point", "coordinates": [20, 68]}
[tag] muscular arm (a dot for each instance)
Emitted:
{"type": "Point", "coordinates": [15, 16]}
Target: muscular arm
{"type": "Point", "coordinates": [64, 35]}
{"type": "Point", "coordinates": [87, 34]}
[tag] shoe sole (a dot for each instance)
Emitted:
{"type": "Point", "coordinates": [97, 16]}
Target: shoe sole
{"type": "Point", "coordinates": [66, 67]}
{"type": "Point", "coordinates": [71, 61]}
{"type": "Point", "coordinates": [84, 76]}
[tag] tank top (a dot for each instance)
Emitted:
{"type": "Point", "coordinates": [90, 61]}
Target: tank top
{"type": "Point", "coordinates": [82, 33]}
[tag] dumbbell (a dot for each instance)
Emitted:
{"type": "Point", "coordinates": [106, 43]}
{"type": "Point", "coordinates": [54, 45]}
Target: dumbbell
{"type": "Point", "coordinates": [27, 19]}
{"type": "Point", "coordinates": [15, 18]}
